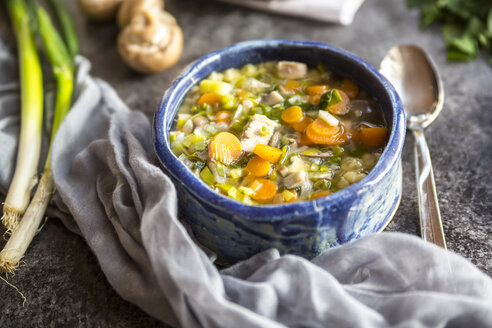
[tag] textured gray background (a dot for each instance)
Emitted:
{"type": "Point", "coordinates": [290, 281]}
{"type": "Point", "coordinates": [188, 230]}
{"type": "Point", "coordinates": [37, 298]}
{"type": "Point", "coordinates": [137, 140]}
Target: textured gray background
{"type": "Point", "coordinates": [61, 278]}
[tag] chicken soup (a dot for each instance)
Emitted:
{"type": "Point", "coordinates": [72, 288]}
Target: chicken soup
{"type": "Point", "coordinates": [278, 132]}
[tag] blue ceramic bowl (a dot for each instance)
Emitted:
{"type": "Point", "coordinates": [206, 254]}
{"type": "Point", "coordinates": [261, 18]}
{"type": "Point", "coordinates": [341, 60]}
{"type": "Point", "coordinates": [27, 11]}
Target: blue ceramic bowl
{"type": "Point", "coordinates": [236, 231]}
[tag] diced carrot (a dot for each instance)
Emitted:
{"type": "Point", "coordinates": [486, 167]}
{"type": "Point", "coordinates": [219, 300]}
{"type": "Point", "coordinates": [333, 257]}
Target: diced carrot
{"type": "Point", "coordinates": [350, 88]}
{"type": "Point", "coordinates": [268, 153]}
{"type": "Point", "coordinates": [210, 98]}
{"type": "Point", "coordinates": [325, 139]}
{"type": "Point", "coordinates": [322, 128]}
{"type": "Point", "coordinates": [341, 107]}
{"type": "Point", "coordinates": [223, 116]}
{"type": "Point", "coordinates": [302, 125]}
{"type": "Point", "coordinates": [320, 194]}
{"type": "Point", "coordinates": [224, 147]}
{"type": "Point", "coordinates": [258, 167]}
{"type": "Point", "coordinates": [263, 189]}
{"type": "Point", "coordinates": [317, 89]}
{"type": "Point", "coordinates": [292, 114]}
{"type": "Point", "coordinates": [292, 86]}
{"type": "Point", "coordinates": [241, 92]}
{"type": "Point", "coordinates": [373, 137]}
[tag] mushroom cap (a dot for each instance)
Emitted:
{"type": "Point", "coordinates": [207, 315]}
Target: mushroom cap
{"type": "Point", "coordinates": [131, 8]}
{"type": "Point", "coordinates": [100, 10]}
{"type": "Point", "coordinates": [152, 42]}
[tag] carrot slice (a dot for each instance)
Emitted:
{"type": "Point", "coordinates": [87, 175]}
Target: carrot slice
{"type": "Point", "coordinates": [268, 153]}
{"type": "Point", "coordinates": [305, 141]}
{"type": "Point", "coordinates": [224, 147]}
{"type": "Point", "coordinates": [263, 189]}
{"type": "Point", "coordinates": [320, 194]}
{"type": "Point", "coordinates": [326, 139]}
{"type": "Point", "coordinates": [317, 89]}
{"type": "Point", "coordinates": [341, 107]}
{"type": "Point", "coordinates": [292, 114]}
{"type": "Point", "coordinates": [302, 124]}
{"type": "Point", "coordinates": [350, 88]}
{"type": "Point", "coordinates": [292, 85]}
{"type": "Point", "coordinates": [258, 167]}
{"type": "Point", "coordinates": [210, 98]}
{"type": "Point", "coordinates": [223, 116]}
{"type": "Point", "coordinates": [373, 137]}
{"type": "Point", "coordinates": [322, 128]}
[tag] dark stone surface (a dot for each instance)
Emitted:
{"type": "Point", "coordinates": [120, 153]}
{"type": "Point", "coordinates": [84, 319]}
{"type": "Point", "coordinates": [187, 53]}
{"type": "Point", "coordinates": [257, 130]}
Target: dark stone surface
{"type": "Point", "coordinates": [61, 278]}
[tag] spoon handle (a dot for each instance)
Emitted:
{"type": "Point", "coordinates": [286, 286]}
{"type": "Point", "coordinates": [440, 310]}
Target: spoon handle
{"type": "Point", "coordinates": [430, 217]}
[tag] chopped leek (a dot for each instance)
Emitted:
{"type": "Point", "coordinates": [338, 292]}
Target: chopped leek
{"type": "Point", "coordinates": [338, 151]}
{"type": "Point", "coordinates": [219, 87]}
{"type": "Point", "coordinates": [207, 176]}
{"type": "Point", "coordinates": [237, 173]}
{"type": "Point", "coordinates": [285, 149]}
{"type": "Point", "coordinates": [265, 131]}
{"type": "Point", "coordinates": [247, 191]}
{"type": "Point", "coordinates": [228, 101]}
{"type": "Point", "coordinates": [288, 195]}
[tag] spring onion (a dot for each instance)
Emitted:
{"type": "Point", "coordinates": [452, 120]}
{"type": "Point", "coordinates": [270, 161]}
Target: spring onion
{"type": "Point", "coordinates": [67, 26]}
{"type": "Point", "coordinates": [63, 71]}
{"type": "Point", "coordinates": [29, 150]}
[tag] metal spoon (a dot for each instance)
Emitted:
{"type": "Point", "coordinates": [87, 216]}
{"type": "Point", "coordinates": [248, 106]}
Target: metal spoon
{"type": "Point", "coordinates": [415, 78]}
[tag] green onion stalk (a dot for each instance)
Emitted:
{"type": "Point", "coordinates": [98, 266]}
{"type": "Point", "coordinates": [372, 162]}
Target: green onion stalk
{"type": "Point", "coordinates": [29, 149]}
{"type": "Point", "coordinates": [67, 26]}
{"type": "Point", "coordinates": [63, 71]}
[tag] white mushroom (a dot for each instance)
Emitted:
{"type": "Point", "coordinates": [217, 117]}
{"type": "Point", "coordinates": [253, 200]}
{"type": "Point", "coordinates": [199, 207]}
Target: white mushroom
{"type": "Point", "coordinates": [131, 8]}
{"type": "Point", "coordinates": [100, 10]}
{"type": "Point", "coordinates": [272, 98]}
{"type": "Point", "coordinates": [295, 179]}
{"type": "Point", "coordinates": [152, 42]}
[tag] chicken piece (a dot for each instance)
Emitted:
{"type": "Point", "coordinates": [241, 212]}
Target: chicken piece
{"type": "Point", "coordinates": [291, 70]}
{"type": "Point", "coordinates": [253, 85]}
{"type": "Point", "coordinates": [272, 98]}
{"type": "Point", "coordinates": [259, 130]}
{"type": "Point", "coordinates": [295, 179]}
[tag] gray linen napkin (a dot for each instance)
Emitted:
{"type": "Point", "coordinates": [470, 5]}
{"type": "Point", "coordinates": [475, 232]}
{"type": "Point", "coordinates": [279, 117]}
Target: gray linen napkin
{"type": "Point", "coordinates": [111, 190]}
{"type": "Point", "coordinates": [332, 11]}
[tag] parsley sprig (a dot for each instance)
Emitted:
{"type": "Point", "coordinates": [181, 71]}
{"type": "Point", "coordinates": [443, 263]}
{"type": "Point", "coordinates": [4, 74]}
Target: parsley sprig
{"type": "Point", "coordinates": [466, 25]}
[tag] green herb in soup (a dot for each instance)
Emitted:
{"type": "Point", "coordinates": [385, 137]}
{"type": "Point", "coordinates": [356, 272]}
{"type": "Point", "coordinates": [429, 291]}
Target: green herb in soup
{"type": "Point", "coordinates": [278, 132]}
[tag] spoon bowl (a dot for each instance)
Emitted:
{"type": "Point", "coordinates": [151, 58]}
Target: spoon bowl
{"type": "Point", "coordinates": [414, 76]}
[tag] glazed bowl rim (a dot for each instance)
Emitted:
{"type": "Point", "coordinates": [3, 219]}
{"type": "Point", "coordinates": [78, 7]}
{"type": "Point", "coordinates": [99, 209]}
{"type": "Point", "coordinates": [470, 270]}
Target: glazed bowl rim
{"type": "Point", "coordinates": [173, 97]}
